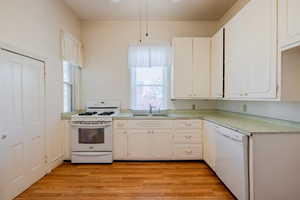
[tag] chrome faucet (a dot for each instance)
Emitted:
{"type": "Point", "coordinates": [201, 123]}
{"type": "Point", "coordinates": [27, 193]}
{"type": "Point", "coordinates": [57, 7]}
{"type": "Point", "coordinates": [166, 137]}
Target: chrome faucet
{"type": "Point", "coordinates": [150, 109]}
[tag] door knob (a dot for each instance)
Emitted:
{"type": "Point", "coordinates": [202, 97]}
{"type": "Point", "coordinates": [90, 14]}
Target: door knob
{"type": "Point", "coordinates": [3, 137]}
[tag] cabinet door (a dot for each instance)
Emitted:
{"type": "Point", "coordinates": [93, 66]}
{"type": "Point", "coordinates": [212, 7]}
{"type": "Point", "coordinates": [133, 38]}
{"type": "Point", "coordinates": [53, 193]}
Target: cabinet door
{"type": "Point", "coordinates": [201, 67]}
{"type": "Point", "coordinates": [120, 145]}
{"type": "Point", "coordinates": [216, 77]}
{"type": "Point", "coordinates": [289, 22]}
{"type": "Point", "coordinates": [182, 70]}
{"type": "Point", "coordinates": [251, 67]}
{"type": "Point", "coordinates": [235, 70]}
{"type": "Point", "coordinates": [261, 49]}
{"type": "Point", "coordinates": [209, 150]}
{"type": "Point", "coordinates": [161, 145]}
{"type": "Point", "coordinates": [139, 144]}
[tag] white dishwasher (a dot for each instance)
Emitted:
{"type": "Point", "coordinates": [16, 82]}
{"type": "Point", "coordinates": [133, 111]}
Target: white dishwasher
{"type": "Point", "coordinates": [232, 161]}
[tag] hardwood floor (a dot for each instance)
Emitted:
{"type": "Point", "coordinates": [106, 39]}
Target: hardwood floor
{"type": "Point", "coordinates": [129, 181]}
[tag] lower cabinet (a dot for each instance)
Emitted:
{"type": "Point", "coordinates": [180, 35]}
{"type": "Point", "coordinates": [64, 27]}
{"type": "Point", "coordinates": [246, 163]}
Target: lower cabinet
{"type": "Point", "coordinates": [209, 144]}
{"type": "Point", "coordinates": [162, 140]}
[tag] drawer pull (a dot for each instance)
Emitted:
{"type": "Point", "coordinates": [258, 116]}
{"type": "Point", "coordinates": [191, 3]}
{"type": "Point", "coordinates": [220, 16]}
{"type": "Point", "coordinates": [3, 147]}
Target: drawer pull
{"type": "Point", "coordinates": [189, 152]}
{"type": "Point", "coordinates": [188, 137]}
{"type": "Point", "coordinates": [188, 124]}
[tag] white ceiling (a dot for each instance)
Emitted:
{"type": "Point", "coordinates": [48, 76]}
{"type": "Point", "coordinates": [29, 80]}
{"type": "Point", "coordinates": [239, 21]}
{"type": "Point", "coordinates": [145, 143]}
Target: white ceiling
{"type": "Point", "coordinates": [158, 9]}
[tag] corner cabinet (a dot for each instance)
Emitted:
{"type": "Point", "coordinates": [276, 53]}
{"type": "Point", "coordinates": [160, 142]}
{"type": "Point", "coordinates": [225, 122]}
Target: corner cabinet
{"type": "Point", "coordinates": [289, 23]}
{"type": "Point", "coordinates": [251, 52]}
{"type": "Point", "coordinates": [217, 65]}
{"type": "Point", "coordinates": [190, 68]}
{"type": "Point", "coordinates": [157, 140]}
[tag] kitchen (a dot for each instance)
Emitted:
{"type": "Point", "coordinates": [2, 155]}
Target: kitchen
{"type": "Point", "coordinates": [128, 99]}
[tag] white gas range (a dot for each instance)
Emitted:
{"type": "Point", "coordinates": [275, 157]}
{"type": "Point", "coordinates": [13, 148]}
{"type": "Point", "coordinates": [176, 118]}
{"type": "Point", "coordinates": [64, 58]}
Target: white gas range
{"type": "Point", "coordinates": [92, 132]}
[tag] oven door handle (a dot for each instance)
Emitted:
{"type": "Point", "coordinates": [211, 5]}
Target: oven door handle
{"type": "Point", "coordinates": [90, 126]}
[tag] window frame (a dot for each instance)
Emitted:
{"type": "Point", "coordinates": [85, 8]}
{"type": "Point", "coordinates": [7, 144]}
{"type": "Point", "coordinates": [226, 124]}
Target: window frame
{"type": "Point", "coordinates": [73, 84]}
{"type": "Point", "coordinates": [165, 86]}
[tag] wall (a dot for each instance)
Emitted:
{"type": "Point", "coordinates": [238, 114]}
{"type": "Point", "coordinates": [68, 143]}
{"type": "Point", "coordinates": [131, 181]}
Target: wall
{"type": "Point", "coordinates": [105, 51]}
{"type": "Point", "coordinates": [232, 11]}
{"type": "Point", "coordinates": [278, 110]}
{"type": "Point", "coordinates": [34, 26]}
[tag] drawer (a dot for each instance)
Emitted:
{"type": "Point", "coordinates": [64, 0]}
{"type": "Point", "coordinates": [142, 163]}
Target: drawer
{"type": "Point", "coordinates": [150, 124]}
{"type": "Point", "coordinates": [120, 124]}
{"type": "Point", "coordinates": [188, 138]}
{"type": "Point", "coordinates": [188, 124]}
{"type": "Point", "coordinates": [188, 152]}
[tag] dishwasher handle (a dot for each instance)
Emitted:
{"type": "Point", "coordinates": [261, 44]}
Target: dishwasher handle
{"type": "Point", "coordinates": [231, 136]}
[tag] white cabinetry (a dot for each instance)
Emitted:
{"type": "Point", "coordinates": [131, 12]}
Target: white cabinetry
{"type": "Point", "coordinates": [157, 140]}
{"type": "Point", "coordinates": [119, 144]}
{"type": "Point", "coordinates": [139, 144]}
{"type": "Point", "coordinates": [251, 52]}
{"type": "Point", "coordinates": [209, 144]}
{"type": "Point", "coordinates": [289, 23]}
{"type": "Point", "coordinates": [190, 70]}
{"type": "Point", "coordinates": [217, 64]}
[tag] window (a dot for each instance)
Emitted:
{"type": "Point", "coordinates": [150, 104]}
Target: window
{"type": "Point", "coordinates": [149, 67]}
{"type": "Point", "coordinates": [71, 86]}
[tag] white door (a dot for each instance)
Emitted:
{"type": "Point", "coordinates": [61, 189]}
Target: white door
{"type": "Point", "coordinates": [6, 123]}
{"type": "Point", "coordinates": [182, 70]}
{"type": "Point", "coordinates": [138, 144]}
{"type": "Point", "coordinates": [201, 67]}
{"type": "Point", "coordinates": [162, 145]}
{"type": "Point", "coordinates": [289, 22]}
{"type": "Point", "coordinates": [120, 145]}
{"type": "Point", "coordinates": [25, 146]}
{"type": "Point", "coordinates": [216, 77]}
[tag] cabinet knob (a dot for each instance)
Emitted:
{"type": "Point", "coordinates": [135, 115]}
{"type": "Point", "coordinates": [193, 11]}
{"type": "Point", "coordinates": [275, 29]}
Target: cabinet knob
{"type": "Point", "coordinates": [3, 137]}
{"type": "Point", "coordinates": [246, 94]}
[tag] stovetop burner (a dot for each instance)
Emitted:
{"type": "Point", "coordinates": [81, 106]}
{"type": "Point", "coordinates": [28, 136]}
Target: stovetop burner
{"type": "Point", "coordinates": [87, 113]}
{"type": "Point", "coordinates": [106, 113]}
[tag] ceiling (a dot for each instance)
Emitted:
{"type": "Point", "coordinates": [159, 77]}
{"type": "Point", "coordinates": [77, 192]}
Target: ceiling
{"type": "Point", "coordinates": [158, 9]}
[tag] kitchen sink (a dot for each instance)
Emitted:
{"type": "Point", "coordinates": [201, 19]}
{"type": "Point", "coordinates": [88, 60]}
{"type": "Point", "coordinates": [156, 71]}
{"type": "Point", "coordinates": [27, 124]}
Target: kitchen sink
{"type": "Point", "coordinates": [141, 115]}
{"type": "Point", "coordinates": [150, 115]}
{"type": "Point", "coordinates": [160, 115]}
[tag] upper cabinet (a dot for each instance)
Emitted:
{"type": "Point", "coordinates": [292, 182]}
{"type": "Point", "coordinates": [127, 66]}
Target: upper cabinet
{"type": "Point", "coordinates": [289, 23]}
{"type": "Point", "coordinates": [191, 68]}
{"type": "Point", "coordinates": [251, 52]}
{"type": "Point", "coordinates": [217, 65]}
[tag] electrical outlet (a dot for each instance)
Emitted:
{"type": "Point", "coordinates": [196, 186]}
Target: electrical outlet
{"type": "Point", "coordinates": [194, 107]}
{"type": "Point", "coordinates": [245, 108]}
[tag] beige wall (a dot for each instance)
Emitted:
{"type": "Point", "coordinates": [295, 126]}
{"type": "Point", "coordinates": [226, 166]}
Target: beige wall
{"type": "Point", "coordinates": [232, 11]}
{"type": "Point", "coordinates": [105, 49]}
{"type": "Point", "coordinates": [34, 26]}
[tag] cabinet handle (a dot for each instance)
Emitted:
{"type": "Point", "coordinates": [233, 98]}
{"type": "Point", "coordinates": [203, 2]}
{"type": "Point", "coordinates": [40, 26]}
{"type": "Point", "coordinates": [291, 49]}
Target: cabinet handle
{"type": "Point", "coordinates": [188, 137]}
{"type": "Point", "coordinates": [189, 152]}
{"type": "Point", "coordinates": [188, 124]}
{"type": "Point", "coordinates": [3, 137]}
{"type": "Point", "coordinates": [125, 132]}
{"type": "Point", "coordinates": [246, 94]}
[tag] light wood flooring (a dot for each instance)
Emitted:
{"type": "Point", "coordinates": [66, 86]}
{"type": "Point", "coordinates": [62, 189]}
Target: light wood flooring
{"type": "Point", "coordinates": [129, 181]}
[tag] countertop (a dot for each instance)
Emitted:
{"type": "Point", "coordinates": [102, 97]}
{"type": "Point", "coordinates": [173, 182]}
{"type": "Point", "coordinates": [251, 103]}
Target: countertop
{"type": "Point", "coordinates": [246, 124]}
{"type": "Point", "coordinates": [243, 123]}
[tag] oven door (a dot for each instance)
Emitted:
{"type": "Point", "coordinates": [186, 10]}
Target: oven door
{"type": "Point", "coordinates": [92, 137]}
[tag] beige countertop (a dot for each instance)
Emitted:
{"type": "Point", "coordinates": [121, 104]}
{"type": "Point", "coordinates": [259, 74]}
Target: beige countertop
{"type": "Point", "coordinates": [246, 124]}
